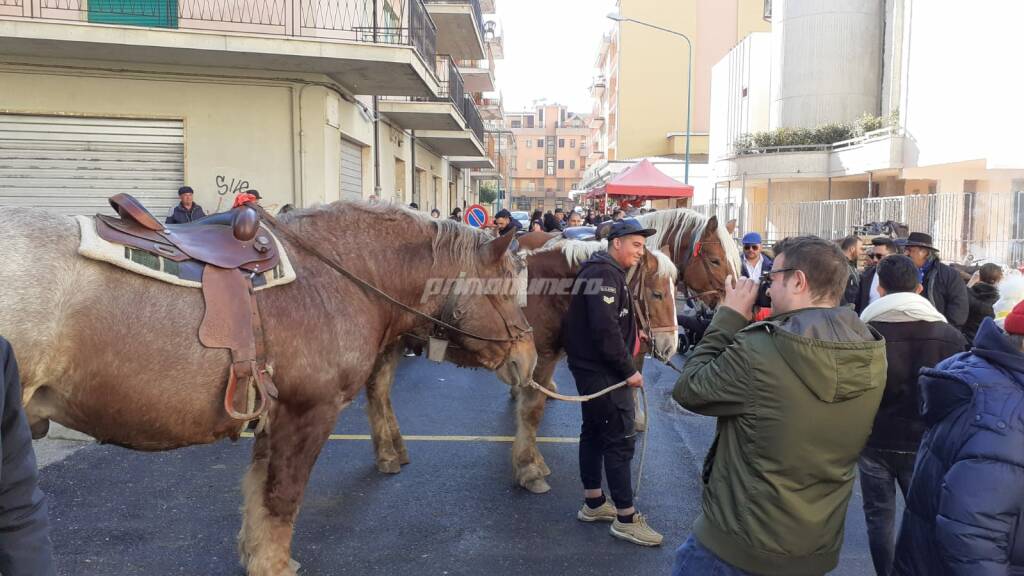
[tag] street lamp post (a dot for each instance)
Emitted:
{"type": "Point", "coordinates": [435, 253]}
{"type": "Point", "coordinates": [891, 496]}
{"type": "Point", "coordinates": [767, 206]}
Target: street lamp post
{"type": "Point", "coordinates": [689, 80]}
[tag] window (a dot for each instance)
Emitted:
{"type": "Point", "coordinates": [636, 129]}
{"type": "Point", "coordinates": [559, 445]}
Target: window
{"type": "Point", "coordinates": [572, 143]}
{"type": "Point", "coordinates": [540, 142]}
{"type": "Point", "coordinates": [572, 164]}
{"type": "Point", "coordinates": [561, 142]}
{"type": "Point", "coordinates": [529, 143]}
{"type": "Point", "coordinates": [561, 164]}
{"type": "Point", "coordinates": [540, 164]}
{"type": "Point", "coordinates": [517, 123]}
{"type": "Point", "coordinates": [551, 166]}
{"type": "Point", "coordinates": [529, 121]}
{"type": "Point", "coordinates": [583, 141]}
{"type": "Point", "coordinates": [551, 146]}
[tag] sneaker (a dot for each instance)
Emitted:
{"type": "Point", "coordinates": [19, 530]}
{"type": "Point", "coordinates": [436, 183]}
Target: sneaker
{"type": "Point", "coordinates": [637, 531]}
{"type": "Point", "coordinates": [603, 513]}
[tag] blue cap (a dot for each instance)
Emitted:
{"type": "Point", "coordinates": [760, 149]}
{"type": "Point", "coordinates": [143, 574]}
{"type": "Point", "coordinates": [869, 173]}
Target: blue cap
{"type": "Point", "coordinates": [752, 238]}
{"type": "Point", "coordinates": [628, 227]}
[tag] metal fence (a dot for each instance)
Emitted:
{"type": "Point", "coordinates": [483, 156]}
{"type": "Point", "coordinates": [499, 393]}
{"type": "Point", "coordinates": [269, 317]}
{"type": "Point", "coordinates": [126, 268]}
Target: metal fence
{"type": "Point", "coordinates": [472, 116]}
{"type": "Point", "coordinates": [450, 81]}
{"type": "Point", "coordinates": [966, 225]}
{"type": "Point", "coordinates": [402, 22]}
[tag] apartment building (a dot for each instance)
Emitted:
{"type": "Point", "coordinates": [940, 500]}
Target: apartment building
{"type": "Point", "coordinates": [308, 101]}
{"type": "Point", "coordinates": [938, 122]}
{"type": "Point", "coordinates": [639, 90]}
{"type": "Point", "coordinates": [551, 151]}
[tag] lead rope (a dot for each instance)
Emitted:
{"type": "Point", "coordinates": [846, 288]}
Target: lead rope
{"type": "Point", "coordinates": [588, 397]}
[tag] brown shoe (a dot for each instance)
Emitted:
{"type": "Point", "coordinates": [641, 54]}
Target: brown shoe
{"type": "Point", "coordinates": [637, 531]}
{"type": "Point", "coordinates": [603, 513]}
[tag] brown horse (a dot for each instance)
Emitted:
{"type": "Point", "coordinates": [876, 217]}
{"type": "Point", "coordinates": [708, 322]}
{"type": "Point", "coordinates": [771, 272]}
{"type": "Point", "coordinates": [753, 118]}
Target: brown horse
{"type": "Point", "coordinates": [702, 251]}
{"type": "Point", "coordinates": [116, 355]}
{"type": "Point", "coordinates": [551, 272]}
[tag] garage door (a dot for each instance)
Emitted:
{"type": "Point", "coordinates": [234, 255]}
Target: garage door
{"type": "Point", "coordinates": [72, 165]}
{"type": "Point", "coordinates": [351, 171]}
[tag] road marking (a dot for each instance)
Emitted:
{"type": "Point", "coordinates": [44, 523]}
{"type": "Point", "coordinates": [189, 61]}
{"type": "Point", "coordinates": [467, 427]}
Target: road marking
{"type": "Point", "coordinates": [540, 439]}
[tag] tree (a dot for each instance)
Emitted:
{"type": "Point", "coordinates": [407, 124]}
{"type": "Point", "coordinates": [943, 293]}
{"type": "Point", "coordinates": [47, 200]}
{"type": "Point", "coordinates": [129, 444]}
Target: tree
{"type": "Point", "coordinates": [488, 192]}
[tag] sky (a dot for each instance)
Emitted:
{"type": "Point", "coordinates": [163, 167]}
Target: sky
{"type": "Point", "coordinates": [550, 50]}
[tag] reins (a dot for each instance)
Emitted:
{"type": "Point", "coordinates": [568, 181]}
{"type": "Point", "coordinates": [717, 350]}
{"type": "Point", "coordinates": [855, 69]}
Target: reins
{"type": "Point", "coordinates": [298, 241]}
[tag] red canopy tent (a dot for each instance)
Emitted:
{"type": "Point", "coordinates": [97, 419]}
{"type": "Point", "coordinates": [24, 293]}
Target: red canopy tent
{"type": "Point", "coordinates": [639, 183]}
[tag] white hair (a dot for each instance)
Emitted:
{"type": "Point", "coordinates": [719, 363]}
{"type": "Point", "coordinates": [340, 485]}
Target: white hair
{"type": "Point", "coordinates": [577, 252]}
{"type": "Point", "coordinates": [684, 219]}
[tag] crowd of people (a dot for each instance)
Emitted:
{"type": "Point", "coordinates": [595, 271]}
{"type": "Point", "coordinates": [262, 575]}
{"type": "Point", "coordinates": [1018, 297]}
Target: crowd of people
{"type": "Point", "coordinates": [905, 370]}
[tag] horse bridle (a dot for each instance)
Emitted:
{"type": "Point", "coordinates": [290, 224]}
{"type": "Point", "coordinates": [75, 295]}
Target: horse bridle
{"type": "Point", "coordinates": [451, 312]}
{"type": "Point", "coordinates": [695, 250]}
{"type": "Point", "coordinates": [638, 291]}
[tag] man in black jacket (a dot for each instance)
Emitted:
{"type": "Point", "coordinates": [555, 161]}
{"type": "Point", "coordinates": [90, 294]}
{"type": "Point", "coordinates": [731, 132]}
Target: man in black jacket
{"type": "Point", "coordinates": [851, 247]}
{"type": "Point", "coordinates": [942, 285]}
{"type": "Point", "coordinates": [916, 336]}
{"type": "Point", "coordinates": [601, 341]}
{"type": "Point", "coordinates": [185, 210]}
{"type": "Point", "coordinates": [25, 548]}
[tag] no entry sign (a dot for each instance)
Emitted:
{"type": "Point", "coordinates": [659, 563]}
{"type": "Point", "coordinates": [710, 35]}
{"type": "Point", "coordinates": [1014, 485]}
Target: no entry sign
{"type": "Point", "coordinates": [477, 216]}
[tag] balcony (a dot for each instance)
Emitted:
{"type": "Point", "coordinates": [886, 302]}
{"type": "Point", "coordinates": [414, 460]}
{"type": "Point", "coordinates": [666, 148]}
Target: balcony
{"type": "Point", "coordinates": [379, 47]}
{"type": "Point", "coordinates": [460, 27]}
{"type": "Point", "coordinates": [478, 77]}
{"type": "Point", "coordinates": [491, 109]}
{"type": "Point", "coordinates": [456, 143]}
{"type": "Point", "coordinates": [480, 165]}
{"type": "Point", "coordinates": [443, 112]}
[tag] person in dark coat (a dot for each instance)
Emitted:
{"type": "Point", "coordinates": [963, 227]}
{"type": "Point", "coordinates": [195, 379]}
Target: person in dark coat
{"type": "Point", "coordinates": [916, 336]}
{"type": "Point", "coordinates": [867, 290]}
{"type": "Point", "coordinates": [536, 221]}
{"type": "Point", "coordinates": [942, 284]}
{"type": "Point", "coordinates": [505, 223]}
{"type": "Point", "coordinates": [966, 502]}
{"type": "Point", "coordinates": [982, 293]}
{"type": "Point", "coordinates": [601, 340]}
{"type": "Point", "coordinates": [551, 223]}
{"type": "Point", "coordinates": [25, 548]}
{"type": "Point", "coordinates": [851, 247]}
{"type": "Point", "coordinates": [755, 265]}
{"type": "Point", "coordinates": [185, 210]}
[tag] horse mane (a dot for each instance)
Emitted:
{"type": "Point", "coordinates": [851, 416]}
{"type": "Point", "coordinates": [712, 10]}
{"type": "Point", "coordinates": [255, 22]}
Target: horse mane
{"type": "Point", "coordinates": [684, 219]}
{"type": "Point", "coordinates": [577, 252]}
{"type": "Point", "coordinates": [454, 239]}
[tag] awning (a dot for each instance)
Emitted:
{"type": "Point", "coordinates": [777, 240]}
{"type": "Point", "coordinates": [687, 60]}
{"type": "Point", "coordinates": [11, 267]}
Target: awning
{"type": "Point", "coordinates": [644, 180]}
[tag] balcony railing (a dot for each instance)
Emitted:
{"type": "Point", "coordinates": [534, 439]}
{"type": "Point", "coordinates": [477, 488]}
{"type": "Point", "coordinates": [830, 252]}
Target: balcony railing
{"type": "Point", "coordinates": [397, 22]}
{"type": "Point", "coordinates": [474, 4]}
{"type": "Point", "coordinates": [450, 81]}
{"type": "Point", "coordinates": [472, 116]}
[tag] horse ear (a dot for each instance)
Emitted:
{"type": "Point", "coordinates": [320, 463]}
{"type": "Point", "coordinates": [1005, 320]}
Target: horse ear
{"type": "Point", "coordinates": [712, 226]}
{"type": "Point", "coordinates": [494, 251]}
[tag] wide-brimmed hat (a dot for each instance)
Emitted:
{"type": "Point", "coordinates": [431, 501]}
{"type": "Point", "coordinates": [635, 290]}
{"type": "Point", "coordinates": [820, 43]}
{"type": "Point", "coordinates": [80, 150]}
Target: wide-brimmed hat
{"type": "Point", "coordinates": [628, 227]}
{"type": "Point", "coordinates": [919, 239]}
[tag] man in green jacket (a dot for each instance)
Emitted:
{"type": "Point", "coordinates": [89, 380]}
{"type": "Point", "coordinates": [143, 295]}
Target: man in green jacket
{"type": "Point", "coordinates": [795, 398]}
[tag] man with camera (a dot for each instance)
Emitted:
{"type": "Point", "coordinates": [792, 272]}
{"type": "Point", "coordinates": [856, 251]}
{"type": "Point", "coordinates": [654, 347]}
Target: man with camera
{"type": "Point", "coordinates": [795, 398]}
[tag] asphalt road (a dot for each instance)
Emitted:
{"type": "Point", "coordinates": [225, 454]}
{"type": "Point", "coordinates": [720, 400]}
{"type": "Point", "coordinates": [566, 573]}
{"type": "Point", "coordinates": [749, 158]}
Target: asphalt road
{"type": "Point", "coordinates": [452, 511]}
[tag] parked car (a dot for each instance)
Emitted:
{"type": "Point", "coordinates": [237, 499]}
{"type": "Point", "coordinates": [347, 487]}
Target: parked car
{"type": "Point", "coordinates": [523, 218]}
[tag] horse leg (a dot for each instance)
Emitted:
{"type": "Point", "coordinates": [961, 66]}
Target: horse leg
{"type": "Point", "coordinates": [388, 446]}
{"type": "Point", "coordinates": [275, 483]}
{"type": "Point", "coordinates": [527, 462]}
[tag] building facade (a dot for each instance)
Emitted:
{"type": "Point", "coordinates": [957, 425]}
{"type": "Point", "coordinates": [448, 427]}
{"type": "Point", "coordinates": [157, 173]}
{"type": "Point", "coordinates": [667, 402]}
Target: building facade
{"type": "Point", "coordinates": [551, 152]}
{"type": "Point", "coordinates": [934, 119]}
{"type": "Point", "coordinates": [640, 87]}
{"type": "Point", "coordinates": [306, 101]}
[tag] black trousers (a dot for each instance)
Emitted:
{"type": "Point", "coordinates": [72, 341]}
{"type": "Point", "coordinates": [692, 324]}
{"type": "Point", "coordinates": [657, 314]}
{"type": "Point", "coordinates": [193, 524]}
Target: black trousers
{"type": "Point", "coordinates": [608, 437]}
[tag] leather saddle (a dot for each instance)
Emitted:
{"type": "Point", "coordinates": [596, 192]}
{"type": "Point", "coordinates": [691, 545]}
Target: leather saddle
{"type": "Point", "coordinates": [230, 248]}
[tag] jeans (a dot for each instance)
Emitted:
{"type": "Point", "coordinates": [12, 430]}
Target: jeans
{"type": "Point", "coordinates": [880, 471]}
{"type": "Point", "coordinates": [693, 559]}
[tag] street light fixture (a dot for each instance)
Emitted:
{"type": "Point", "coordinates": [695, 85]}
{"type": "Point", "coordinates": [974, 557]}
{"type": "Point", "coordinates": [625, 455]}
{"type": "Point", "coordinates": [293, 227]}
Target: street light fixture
{"type": "Point", "coordinates": [689, 79]}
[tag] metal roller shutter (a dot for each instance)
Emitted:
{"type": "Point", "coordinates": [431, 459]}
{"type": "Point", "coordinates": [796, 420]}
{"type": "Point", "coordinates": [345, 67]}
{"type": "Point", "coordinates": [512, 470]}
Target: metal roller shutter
{"type": "Point", "coordinates": [71, 165]}
{"type": "Point", "coordinates": [351, 171]}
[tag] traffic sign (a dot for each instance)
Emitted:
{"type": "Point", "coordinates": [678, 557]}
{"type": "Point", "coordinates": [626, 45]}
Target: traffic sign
{"type": "Point", "coordinates": [477, 216]}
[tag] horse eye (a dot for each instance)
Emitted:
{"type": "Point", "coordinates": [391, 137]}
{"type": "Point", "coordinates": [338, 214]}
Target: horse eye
{"type": "Point", "coordinates": [716, 262]}
{"type": "Point", "coordinates": [657, 294]}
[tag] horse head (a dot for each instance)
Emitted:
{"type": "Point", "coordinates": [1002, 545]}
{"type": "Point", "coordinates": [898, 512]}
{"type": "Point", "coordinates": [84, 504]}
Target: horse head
{"type": "Point", "coordinates": [492, 329]}
{"type": "Point", "coordinates": [654, 287]}
{"type": "Point", "coordinates": [709, 259]}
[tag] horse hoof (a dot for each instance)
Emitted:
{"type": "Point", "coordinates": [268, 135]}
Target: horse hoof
{"type": "Point", "coordinates": [39, 428]}
{"type": "Point", "coordinates": [403, 458]}
{"type": "Point", "coordinates": [537, 486]}
{"type": "Point", "coordinates": [389, 467]}
{"type": "Point", "coordinates": [294, 565]}
{"type": "Point", "coordinates": [544, 468]}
